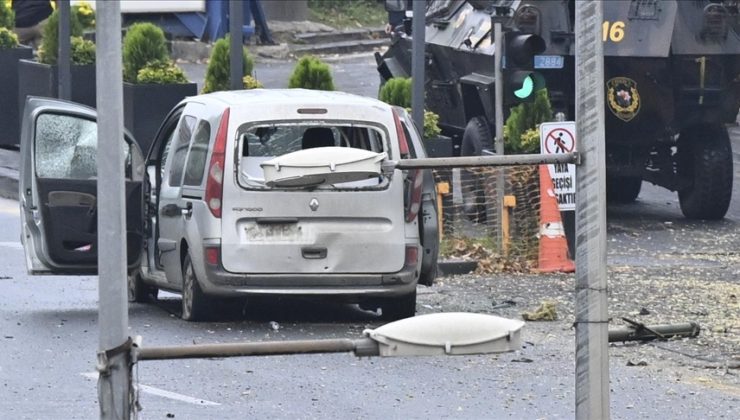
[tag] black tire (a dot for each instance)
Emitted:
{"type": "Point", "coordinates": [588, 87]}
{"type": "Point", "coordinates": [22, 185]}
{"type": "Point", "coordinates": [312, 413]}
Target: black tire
{"type": "Point", "coordinates": [476, 138]}
{"type": "Point", "coordinates": [705, 161]}
{"type": "Point", "coordinates": [138, 291]}
{"type": "Point", "coordinates": [623, 189]}
{"type": "Point", "coordinates": [195, 305]}
{"type": "Point", "coordinates": [429, 234]}
{"type": "Point", "coordinates": [399, 307]}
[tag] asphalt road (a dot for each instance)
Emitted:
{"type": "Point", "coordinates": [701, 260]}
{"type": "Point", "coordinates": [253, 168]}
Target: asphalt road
{"type": "Point", "coordinates": [49, 333]}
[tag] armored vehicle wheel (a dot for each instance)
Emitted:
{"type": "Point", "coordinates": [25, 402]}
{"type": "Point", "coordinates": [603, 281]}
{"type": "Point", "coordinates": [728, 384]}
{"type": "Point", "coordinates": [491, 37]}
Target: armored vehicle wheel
{"type": "Point", "coordinates": [399, 307]}
{"type": "Point", "coordinates": [623, 189]}
{"type": "Point", "coordinates": [195, 304]}
{"type": "Point", "coordinates": [138, 291]}
{"type": "Point", "coordinates": [476, 138]}
{"type": "Point", "coordinates": [705, 160]}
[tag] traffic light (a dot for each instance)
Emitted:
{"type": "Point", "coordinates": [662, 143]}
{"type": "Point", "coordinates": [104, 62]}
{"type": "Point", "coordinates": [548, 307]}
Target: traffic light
{"type": "Point", "coordinates": [521, 81]}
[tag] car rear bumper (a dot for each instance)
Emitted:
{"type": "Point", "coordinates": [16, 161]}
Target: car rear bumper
{"type": "Point", "coordinates": [219, 282]}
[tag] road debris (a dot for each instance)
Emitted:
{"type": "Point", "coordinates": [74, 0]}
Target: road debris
{"type": "Point", "coordinates": [546, 312]}
{"type": "Point", "coordinates": [638, 331]}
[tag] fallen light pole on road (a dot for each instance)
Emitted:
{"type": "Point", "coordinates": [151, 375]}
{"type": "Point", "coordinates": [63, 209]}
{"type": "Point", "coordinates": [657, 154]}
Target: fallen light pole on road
{"type": "Point", "coordinates": [425, 335]}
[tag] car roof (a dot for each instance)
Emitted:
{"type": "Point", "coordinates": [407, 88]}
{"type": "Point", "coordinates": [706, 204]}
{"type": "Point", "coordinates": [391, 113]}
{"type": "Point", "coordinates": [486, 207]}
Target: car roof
{"type": "Point", "coordinates": [287, 97]}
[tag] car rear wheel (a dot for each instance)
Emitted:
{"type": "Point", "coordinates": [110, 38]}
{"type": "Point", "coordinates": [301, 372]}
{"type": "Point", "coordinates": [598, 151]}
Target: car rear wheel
{"type": "Point", "coordinates": [706, 162]}
{"type": "Point", "coordinates": [195, 304]}
{"type": "Point", "coordinates": [623, 189]}
{"type": "Point", "coordinates": [138, 291]}
{"type": "Point", "coordinates": [399, 307]}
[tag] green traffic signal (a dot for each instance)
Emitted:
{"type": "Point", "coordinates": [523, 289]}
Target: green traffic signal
{"type": "Point", "coordinates": [526, 90]}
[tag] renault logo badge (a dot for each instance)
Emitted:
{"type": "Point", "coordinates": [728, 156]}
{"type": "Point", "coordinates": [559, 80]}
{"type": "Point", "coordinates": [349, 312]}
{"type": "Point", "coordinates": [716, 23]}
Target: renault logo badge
{"type": "Point", "coordinates": [313, 204]}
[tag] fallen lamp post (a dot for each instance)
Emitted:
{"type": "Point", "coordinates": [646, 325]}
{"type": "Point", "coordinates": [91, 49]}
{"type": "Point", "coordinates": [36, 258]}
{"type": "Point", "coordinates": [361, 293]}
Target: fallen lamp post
{"type": "Point", "coordinates": [425, 335]}
{"type": "Point", "coordinates": [638, 331]}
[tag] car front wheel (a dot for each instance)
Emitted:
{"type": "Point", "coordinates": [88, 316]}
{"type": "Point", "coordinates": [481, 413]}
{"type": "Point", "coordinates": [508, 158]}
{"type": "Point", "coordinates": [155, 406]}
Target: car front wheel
{"type": "Point", "coordinates": [195, 304]}
{"type": "Point", "coordinates": [138, 291]}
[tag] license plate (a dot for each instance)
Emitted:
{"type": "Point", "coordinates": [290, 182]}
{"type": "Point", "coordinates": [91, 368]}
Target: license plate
{"type": "Point", "coordinates": [549, 62]}
{"type": "Point", "coordinates": [276, 232]}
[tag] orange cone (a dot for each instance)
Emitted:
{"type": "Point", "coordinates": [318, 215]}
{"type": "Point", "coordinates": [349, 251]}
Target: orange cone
{"type": "Point", "coordinates": [553, 245]}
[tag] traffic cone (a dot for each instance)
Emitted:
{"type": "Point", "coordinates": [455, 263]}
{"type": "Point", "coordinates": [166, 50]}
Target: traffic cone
{"type": "Point", "coordinates": [553, 245]}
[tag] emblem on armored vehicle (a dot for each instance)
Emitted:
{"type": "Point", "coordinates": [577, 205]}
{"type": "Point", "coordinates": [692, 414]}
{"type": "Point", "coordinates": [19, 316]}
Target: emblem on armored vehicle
{"type": "Point", "coordinates": [623, 98]}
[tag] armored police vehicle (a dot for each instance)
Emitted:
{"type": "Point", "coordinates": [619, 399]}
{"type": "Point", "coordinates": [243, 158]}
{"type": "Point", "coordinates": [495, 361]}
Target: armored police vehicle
{"type": "Point", "coordinates": [672, 83]}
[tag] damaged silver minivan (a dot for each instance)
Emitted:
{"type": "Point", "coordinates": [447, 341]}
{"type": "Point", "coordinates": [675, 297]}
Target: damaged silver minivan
{"type": "Point", "coordinates": [243, 193]}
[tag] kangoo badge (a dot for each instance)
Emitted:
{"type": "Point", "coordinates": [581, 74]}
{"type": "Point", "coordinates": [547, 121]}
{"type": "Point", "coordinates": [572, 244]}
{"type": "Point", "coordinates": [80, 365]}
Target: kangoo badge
{"type": "Point", "coordinates": [623, 98]}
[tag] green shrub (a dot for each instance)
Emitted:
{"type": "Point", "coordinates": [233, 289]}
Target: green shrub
{"type": "Point", "coordinates": [218, 71]}
{"type": "Point", "coordinates": [396, 91]}
{"type": "Point", "coordinates": [311, 73]}
{"type": "Point", "coordinates": [83, 51]}
{"type": "Point", "coordinates": [524, 117]}
{"type": "Point", "coordinates": [8, 39]}
{"type": "Point", "coordinates": [143, 43]}
{"type": "Point", "coordinates": [431, 125]}
{"type": "Point", "coordinates": [50, 43]}
{"type": "Point", "coordinates": [251, 83]}
{"type": "Point", "coordinates": [162, 73]}
{"type": "Point", "coordinates": [7, 15]}
{"type": "Point", "coordinates": [85, 14]}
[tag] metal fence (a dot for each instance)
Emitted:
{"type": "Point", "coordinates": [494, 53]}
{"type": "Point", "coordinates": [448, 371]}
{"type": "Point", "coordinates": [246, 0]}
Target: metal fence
{"type": "Point", "coordinates": [470, 224]}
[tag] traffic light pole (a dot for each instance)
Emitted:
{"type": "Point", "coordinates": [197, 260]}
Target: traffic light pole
{"type": "Point", "coordinates": [114, 369]}
{"type": "Point", "coordinates": [236, 46]}
{"type": "Point", "coordinates": [591, 318]}
{"type": "Point", "coordinates": [498, 42]}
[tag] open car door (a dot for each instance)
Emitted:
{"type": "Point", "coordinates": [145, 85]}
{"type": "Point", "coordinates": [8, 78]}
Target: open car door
{"type": "Point", "coordinates": [58, 189]}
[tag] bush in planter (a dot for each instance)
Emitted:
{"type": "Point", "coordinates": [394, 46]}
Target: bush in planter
{"type": "Point", "coordinates": [161, 72]}
{"type": "Point", "coordinates": [520, 130]}
{"type": "Point", "coordinates": [83, 51]}
{"type": "Point", "coordinates": [251, 83]}
{"type": "Point", "coordinates": [311, 73]}
{"type": "Point", "coordinates": [397, 91]}
{"type": "Point", "coordinates": [144, 43]}
{"type": "Point", "coordinates": [8, 39]}
{"type": "Point", "coordinates": [218, 71]}
{"type": "Point", "coordinates": [50, 42]}
{"type": "Point", "coordinates": [85, 14]}
{"type": "Point", "coordinates": [7, 16]}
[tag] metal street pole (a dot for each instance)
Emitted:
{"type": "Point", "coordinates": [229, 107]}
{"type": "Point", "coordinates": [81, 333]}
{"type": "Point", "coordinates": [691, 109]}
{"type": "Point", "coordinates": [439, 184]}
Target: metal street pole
{"type": "Point", "coordinates": [591, 318]}
{"type": "Point", "coordinates": [498, 42]}
{"type": "Point", "coordinates": [64, 72]}
{"type": "Point", "coordinates": [418, 33]}
{"type": "Point", "coordinates": [114, 382]}
{"type": "Point", "coordinates": [236, 33]}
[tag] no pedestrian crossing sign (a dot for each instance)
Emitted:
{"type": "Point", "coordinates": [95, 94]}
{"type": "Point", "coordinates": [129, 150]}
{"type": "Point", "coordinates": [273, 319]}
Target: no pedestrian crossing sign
{"type": "Point", "coordinates": [557, 138]}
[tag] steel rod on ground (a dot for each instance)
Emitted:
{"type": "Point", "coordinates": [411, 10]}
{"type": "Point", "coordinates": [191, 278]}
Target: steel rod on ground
{"type": "Point", "coordinates": [418, 32]}
{"type": "Point", "coordinates": [591, 318]}
{"type": "Point", "coordinates": [236, 34]}
{"type": "Point", "coordinates": [361, 347]}
{"type": "Point", "coordinates": [489, 160]}
{"type": "Point", "coordinates": [114, 383]}
{"type": "Point", "coordinates": [64, 72]}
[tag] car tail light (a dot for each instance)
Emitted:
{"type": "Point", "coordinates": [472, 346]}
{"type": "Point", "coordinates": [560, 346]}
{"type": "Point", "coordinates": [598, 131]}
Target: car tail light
{"type": "Point", "coordinates": [412, 255]}
{"type": "Point", "coordinates": [215, 181]}
{"type": "Point", "coordinates": [213, 255]}
{"type": "Point", "coordinates": [414, 189]}
{"type": "Point", "coordinates": [403, 144]}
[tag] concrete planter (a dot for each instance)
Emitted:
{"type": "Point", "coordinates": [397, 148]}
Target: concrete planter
{"type": "Point", "coordinates": [38, 79]}
{"type": "Point", "coordinates": [146, 106]}
{"type": "Point", "coordinates": [9, 112]}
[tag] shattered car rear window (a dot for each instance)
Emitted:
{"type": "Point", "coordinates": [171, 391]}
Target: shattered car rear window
{"type": "Point", "coordinates": [264, 142]}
